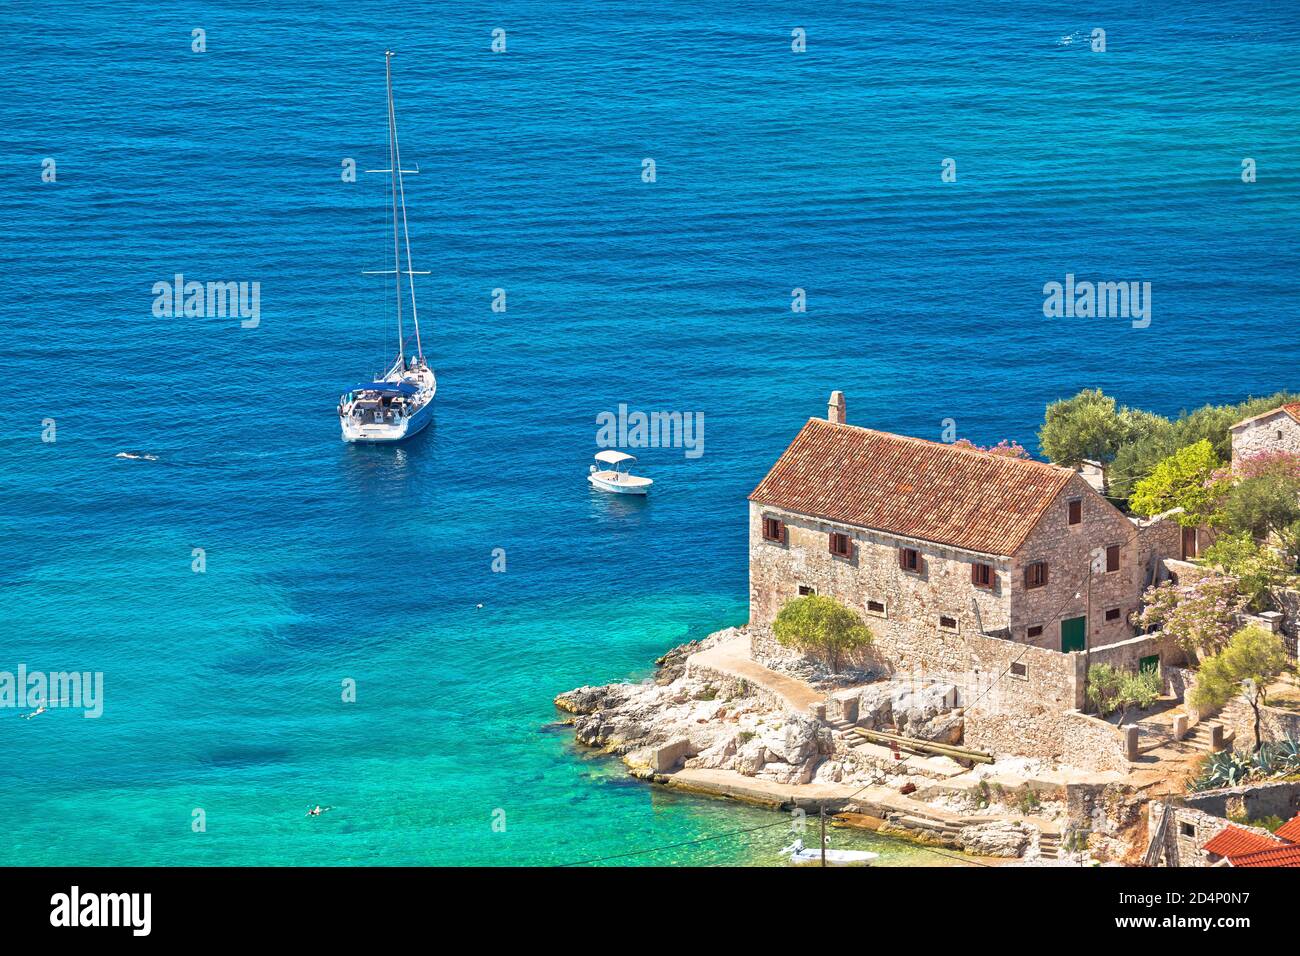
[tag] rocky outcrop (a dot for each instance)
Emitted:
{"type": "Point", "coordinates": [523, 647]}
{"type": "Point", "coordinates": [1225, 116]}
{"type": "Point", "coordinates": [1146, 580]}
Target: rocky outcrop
{"type": "Point", "coordinates": [679, 718]}
{"type": "Point", "coordinates": [1002, 838]}
{"type": "Point", "coordinates": [926, 713]}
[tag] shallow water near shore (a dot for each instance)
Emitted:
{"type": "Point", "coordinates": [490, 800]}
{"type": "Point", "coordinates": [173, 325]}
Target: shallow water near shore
{"type": "Point", "coordinates": [327, 563]}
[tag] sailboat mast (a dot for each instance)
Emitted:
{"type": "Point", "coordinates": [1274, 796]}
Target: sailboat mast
{"type": "Point", "coordinates": [401, 195]}
{"type": "Point", "coordinates": [392, 165]}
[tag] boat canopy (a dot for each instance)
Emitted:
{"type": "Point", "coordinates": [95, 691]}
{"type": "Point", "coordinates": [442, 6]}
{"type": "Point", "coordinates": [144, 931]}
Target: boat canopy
{"type": "Point", "coordinates": [386, 388]}
{"type": "Point", "coordinates": [611, 457]}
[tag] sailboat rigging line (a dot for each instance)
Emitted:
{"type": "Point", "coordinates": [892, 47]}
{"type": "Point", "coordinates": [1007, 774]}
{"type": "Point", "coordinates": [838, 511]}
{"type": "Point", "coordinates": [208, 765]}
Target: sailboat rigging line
{"type": "Point", "coordinates": [393, 165]}
{"type": "Point", "coordinates": [401, 189]}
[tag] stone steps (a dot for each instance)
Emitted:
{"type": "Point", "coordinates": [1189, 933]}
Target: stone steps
{"type": "Point", "coordinates": [1049, 846]}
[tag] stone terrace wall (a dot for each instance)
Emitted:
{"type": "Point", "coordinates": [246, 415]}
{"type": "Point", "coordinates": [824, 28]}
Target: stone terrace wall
{"type": "Point", "coordinates": [1280, 799]}
{"type": "Point", "coordinates": [1126, 655]}
{"type": "Point", "coordinates": [1092, 744]}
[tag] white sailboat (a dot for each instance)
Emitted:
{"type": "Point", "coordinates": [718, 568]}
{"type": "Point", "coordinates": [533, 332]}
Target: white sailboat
{"type": "Point", "coordinates": [399, 403]}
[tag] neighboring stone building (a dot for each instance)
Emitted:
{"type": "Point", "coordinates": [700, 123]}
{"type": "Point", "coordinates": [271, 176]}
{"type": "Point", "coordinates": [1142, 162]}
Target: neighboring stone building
{"type": "Point", "coordinates": [931, 542]}
{"type": "Point", "coordinates": [1197, 830]}
{"type": "Point", "coordinates": [1276, 430]}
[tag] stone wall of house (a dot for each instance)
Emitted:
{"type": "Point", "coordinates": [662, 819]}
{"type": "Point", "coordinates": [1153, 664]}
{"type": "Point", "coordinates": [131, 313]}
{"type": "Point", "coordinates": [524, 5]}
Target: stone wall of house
{"type": "Point", "coordinates": [1067, 550]}
{"type": "Point", "coordinates": [1159, 539]}
{"type": "Point", "coordinates": [1275, 432]}
{"type": "Point", "coordinates": [777, 570]}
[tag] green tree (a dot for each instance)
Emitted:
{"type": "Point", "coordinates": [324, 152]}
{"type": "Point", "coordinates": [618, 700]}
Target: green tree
{"type": "Point", "coordinates": [1149, 438]}
{"type": "Point", "coordinates": [1258, 568]}
{"type": "Point", "coordinates": [1183, 480]}
{"type": "Point", "coordinates": [1085, 426]}
{"type": "Point", "coordinates": [1266, 505]}
{"type": "Point", "coordinates": [820, 625]}
{"type": "Point", "coordinates": [1252, 659]}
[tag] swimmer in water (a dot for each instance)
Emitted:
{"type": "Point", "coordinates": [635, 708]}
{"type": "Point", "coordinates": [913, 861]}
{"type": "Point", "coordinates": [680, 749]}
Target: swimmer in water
{"type": "Point", "coordinates": [40, 709]}
{"type": "Point", "coordinates": [317, 810]}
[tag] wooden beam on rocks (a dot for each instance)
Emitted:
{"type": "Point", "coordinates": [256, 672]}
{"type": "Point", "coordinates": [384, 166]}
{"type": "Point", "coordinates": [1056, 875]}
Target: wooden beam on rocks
{"type": "Point", "coordinates": [924, 746]}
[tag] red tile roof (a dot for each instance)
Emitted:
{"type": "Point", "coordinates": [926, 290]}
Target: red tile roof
{"type": "Point", "coordinates": [1234, 842]}
{"type": "Point", "coordinates": [1290, 831]}
{"type": "Point", "coordinates": [1286, 855]}
{"type": "Point", "coordinates": [1291, 408]}
{"type": "Point", "coordinates": [911, 488]}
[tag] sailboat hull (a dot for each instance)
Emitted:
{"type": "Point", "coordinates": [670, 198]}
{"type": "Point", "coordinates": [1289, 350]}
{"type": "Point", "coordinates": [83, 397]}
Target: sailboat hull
{"type": "Point", "coordinates": [383, 433]}
{"type": "Point", "coordinates": [365, 417]}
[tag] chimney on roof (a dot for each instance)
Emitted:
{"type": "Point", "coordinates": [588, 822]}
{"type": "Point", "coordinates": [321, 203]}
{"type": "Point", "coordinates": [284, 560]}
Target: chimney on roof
{"type": "Point", "coordinates": [836, 410]}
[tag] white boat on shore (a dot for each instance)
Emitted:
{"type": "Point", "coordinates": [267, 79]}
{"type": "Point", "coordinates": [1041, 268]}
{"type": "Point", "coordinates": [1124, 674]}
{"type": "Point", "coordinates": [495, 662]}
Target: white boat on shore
{"type": "Point", "coordinates": [616, 479]}
{"type": "Point", "coordinates": [399, 402]}
{"type": "Point", "coordinates": [811, 856]}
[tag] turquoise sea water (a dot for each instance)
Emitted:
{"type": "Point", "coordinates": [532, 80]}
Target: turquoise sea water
{"type": "Point", "coordinates": [326, 562]}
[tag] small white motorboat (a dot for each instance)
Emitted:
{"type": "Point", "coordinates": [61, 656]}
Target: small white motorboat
{"type": "Point", "coordinates": [810, 856]}
{"type": "Point", "coordinates": [615, 478]}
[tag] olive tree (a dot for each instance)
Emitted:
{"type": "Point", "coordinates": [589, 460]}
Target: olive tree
{"type": "Point", "coordinates": [820, 625]}
{"type": "Point", "coordinates": [1250, 661]}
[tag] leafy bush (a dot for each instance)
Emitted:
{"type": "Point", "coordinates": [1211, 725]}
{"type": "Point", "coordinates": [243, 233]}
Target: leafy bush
{"type": "Point", "coordinates": [820, 625]}
{"type": "Point", "coordinates": [1104, 683]}
{"type": "Point", "coordinates": [1110, 689]}
{"type": "Point", "coordinates": [1198, 618]}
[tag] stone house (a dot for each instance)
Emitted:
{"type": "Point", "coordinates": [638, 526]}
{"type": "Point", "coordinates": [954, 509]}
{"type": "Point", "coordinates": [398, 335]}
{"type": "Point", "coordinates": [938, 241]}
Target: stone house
{"type": "Point", "coordinates": [1197, 830]}
{"type": "Point", "coordinates": [934, 544]}
{"type": "Point", "coordinates": [1276, 430]}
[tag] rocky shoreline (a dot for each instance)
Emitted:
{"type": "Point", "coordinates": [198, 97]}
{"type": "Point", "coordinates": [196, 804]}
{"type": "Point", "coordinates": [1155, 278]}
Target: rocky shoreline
{"type": "Point", "coordinates": [692, 726]}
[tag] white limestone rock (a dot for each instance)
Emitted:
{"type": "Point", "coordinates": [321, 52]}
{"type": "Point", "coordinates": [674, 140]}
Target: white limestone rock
{"type": "Point", "coordinates": [1001, 839]}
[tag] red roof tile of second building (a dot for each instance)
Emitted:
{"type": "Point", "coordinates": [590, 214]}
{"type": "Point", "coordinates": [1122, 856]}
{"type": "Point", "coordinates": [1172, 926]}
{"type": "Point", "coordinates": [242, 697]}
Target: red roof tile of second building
{"type": "Point", "coordinates": [1234, 841]}
{"type": "Point", "coordinates": [1290, 831]}
{"type": "Point", "coordinates": [1286, 855]}
{"type": "Point", "coordinates": [1291, 408]}
{"type": "Point", "coordinates": [910, 487]}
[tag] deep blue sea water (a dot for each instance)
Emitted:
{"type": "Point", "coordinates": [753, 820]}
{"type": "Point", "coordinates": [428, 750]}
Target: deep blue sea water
{"type": "Point", "coordinates": [775, 170]}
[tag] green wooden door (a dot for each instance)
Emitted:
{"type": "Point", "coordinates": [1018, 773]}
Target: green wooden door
{"type": "Point", "coordinates": [1073, 634]}
{"type": "Point", "coordinates": [1151, 663]}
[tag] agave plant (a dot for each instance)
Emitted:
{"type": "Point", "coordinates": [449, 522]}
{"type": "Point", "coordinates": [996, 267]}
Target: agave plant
{"type": "Point", "coordinates": [1286, 756]}
{"type": "Point", "coordinates": [1222, 769]}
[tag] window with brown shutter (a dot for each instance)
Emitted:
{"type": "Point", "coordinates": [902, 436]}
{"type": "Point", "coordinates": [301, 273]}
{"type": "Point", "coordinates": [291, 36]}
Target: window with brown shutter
{"type": "Point", "coordinates": [841, 545]}
{"type": "Point", "coordinates": [876, 607]}
{"type": "Point", "coordinates": [909, 559]}
{"type": "Point", "coordinates": [1076, 511]}
{"type": "Point", "coordinates": [1036, 574]}
{"type": "Point", "coordinates": [773, 529]}
{"type": "Point", "coordinates": [947, 623]}
{"type": "Point", "coordinates": [981, 575]}
{"type": "Point", "coordinates": [1112, 614]}
{"type": "Point", "coordinates": [1035, 631]}
{"type": "Point", "coordinates": [1112, 558]}
{"type": "Point", "coordinates": [1019, 670]}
